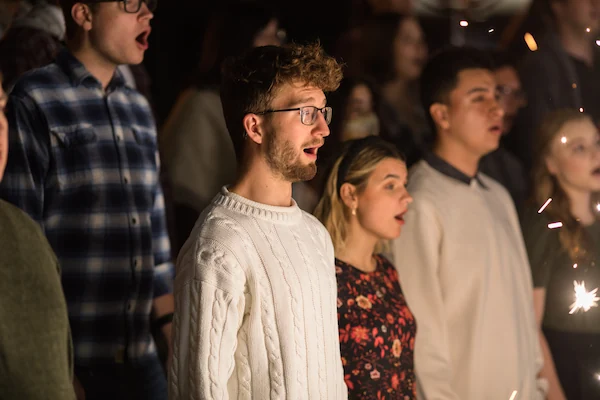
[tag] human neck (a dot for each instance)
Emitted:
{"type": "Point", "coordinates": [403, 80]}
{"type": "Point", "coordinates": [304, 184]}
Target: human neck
{"type": "Point", "coordinates": [461, 159]}
{"type": "Point", "coordinates": [577, 44]}
{"type": "Point", "coordinates": [358, 249]}
{"type": "Point", "coordinates": [100, 68]}
{"type": "Point", "coordinates": [581, 207]}
{"type": "Point", "coordinates": [258, 183]}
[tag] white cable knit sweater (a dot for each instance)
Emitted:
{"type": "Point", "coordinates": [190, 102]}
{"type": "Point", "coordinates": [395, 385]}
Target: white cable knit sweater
{"type": "Point", "coordinates": [255, 306]}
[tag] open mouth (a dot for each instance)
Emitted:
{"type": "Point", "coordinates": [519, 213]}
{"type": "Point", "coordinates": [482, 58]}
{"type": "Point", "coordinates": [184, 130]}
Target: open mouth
{"type": "Point", "coordinates": [311, 151]}
{"type": "Point", "coordinates": [142, 38]}
{"type": "Point", "coordinates": [400, 217]}
{"type": "Point", "coordinates": [496, 129]}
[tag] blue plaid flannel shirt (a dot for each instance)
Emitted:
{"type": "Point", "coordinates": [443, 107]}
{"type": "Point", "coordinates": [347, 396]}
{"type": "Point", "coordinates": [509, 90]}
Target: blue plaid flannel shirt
{"type": "Point", "coordinates": [84, 164]}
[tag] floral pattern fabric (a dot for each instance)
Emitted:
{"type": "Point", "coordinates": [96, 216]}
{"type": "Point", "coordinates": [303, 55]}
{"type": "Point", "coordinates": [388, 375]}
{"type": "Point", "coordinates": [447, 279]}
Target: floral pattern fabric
{"type": "Point", "coordinates": [377, 333]}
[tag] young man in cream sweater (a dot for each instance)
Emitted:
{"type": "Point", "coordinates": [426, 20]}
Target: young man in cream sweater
{"type": "Point", "coordinates": [461, 258]}
{"type": "Point", "coordinates": [255, 291]}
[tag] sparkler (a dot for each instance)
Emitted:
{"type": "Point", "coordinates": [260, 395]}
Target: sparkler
{"type": "Point", "coordinates": [555, 225]}
{"type": "Point", "coordinates": [513, 395]}
{"type": "Point", "coordinates": [598, 207]}
{"type": "Point", "coordinates": [545, 205]}
{"type": "Point", "coordinates": [583, 299]}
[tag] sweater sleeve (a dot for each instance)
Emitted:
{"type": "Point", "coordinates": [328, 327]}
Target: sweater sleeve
{"type": "Point", "coordinates": [417, 258]}
{"type": "Point", "coordinates": [209, 308]}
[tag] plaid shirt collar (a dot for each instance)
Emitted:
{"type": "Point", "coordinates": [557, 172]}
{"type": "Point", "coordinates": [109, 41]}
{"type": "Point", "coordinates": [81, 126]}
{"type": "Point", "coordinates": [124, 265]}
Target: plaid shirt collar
{"type": "Point", "coordinates": [79, 75]}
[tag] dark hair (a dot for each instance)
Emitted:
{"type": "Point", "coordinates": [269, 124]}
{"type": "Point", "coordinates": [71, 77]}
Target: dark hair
{"type": "Point", "coordinates": [375, 53]}
{"type": "Point", "coordinates": [230, 32]}
{"type": "Point", "coordinates": [501, 59]}
{"type": "Point", "coordinates": [250, 82]}
{"type": "Point", "coordinates": [440, 75]}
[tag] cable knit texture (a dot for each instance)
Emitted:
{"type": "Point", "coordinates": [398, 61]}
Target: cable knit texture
{"type": "Point", "coordinates": [255, 306]}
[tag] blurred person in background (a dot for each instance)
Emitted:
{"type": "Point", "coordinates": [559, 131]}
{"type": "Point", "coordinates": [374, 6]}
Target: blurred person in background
{"type": "Point", "coordinates": [362, 207]}
{"type": "Point", "coordinates": [196, 149]}
{"type": "Point", "coordinates": [564, 72]}
{"type": "Point", "coordinates": [567, 171]}
{"type": "Point", "coordinates": [32, 41]}
{"type": "Point", "coordinates": [461, 256]}
{"type": "Point", "coordinates": [502, 164]}
{"type": "Point", "coordinates": [392, 51]}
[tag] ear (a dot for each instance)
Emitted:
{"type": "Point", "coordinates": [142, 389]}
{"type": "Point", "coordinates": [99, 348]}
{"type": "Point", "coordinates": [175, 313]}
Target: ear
{"type": "Point", "coordinates": [82, 15]}
{"type": "Point", "coordinates": [253, 126]}
{"type": "Point", "coordinates": [551, 165]}
{"type": "Point", "coordinates": [439, 114]}
{"type": "Point", "coordinates": [349, 196]}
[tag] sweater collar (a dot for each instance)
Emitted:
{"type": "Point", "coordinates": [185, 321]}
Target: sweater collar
{"type": "Point", "coordinates": [242, 205]}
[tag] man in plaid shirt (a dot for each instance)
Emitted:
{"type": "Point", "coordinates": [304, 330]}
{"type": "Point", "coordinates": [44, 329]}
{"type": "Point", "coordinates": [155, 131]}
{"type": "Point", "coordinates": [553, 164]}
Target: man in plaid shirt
{"type": "Point", "coordinates": [83, 163]}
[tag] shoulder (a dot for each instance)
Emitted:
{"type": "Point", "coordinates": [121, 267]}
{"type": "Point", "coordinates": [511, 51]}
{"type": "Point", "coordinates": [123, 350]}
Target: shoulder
{"type": "Point", "coordinates": [44, 79]}
{"type": "Point", "coordinates": [21, 227]}
{"type": "Point", "coordinates": [428, 186]}
{"type": "Point", "coordinates": [318, 229]}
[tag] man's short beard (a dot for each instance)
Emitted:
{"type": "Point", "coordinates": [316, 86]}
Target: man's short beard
{"type": "Point", "coordinates": [284, 160]}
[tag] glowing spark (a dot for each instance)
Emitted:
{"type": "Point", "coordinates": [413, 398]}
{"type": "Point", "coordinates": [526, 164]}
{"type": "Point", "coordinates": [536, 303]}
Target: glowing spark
{"type": "Point", "coordinates": [598, 207]}
{"type": "Point", "coordinates": [581, 109]}
{"type": "Point", "coordinates": [575, 265]}
{"type": "Point", "coordinates": [531, 43]}
{"type": "Point", "coordinates": [597, 42]}
{"type": "Point", "coordinates": [555, 225]}
{"type": "Point", "coordinates": [588, 30]}
{"type": "Point", "coordinates": [464, 23]}
{"type": "Point", "coordinates": [598, 376]}
{"type": "Point", "coordinates": [513, 395]}
{"type": "Point", "coordinates": [545, 205]}
{"type": "Point", "coordinates": [583, 299]}
{"type": "Point", "coordinates": [563, 139]}
{"type": "Point", "coordinates": [574, 86]}
{"type": "Point", "coordinates": [490, 30]}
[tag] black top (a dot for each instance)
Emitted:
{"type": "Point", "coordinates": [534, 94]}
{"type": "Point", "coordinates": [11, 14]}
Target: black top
{"type": "Point", "coordinates": [589, 85]}
{"type": "Point", "coordinates": [553, 270]}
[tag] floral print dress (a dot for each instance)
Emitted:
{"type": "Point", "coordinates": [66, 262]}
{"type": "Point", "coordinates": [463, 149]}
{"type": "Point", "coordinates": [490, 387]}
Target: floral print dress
{"type": "Point", "coordinates": [377, 333]}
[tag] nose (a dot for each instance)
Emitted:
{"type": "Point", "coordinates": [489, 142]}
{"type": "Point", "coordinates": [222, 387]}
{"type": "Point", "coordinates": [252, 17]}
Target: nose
{"type": "Point", "coordinates": [320, 126]}
{"type": "Point", "coordinates": [497, 110]}
{"type": "Point", "coordinates": [406, 197]}
{"type": "Point", "coordinates": [145, 12]}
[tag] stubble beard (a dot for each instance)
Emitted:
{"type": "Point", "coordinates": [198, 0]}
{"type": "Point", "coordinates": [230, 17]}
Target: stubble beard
{"type": "Point", "coordinates": [284, 160]}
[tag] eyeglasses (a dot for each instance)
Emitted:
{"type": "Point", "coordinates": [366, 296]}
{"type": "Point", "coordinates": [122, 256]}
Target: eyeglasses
{"type": "Point", "coordinates": [517, 94]}
{"type": "Point", "coordinates": [308, 114]}
{"type": "Point", "coordinates": [130, 6]}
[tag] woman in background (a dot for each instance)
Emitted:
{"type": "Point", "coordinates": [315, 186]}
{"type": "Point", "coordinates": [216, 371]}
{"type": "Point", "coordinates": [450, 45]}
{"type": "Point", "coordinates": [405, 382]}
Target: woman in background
{"type": "Point", "coordinates": [363, 205]}
{"type": "Point", "coordinates": [563, 260]}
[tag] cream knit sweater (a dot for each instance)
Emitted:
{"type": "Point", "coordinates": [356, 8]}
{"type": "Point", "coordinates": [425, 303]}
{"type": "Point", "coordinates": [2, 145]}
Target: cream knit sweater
{"type": "Point", "coordinates": [255, 306]}
{"type": "Point", "coordinates": [466, 277]}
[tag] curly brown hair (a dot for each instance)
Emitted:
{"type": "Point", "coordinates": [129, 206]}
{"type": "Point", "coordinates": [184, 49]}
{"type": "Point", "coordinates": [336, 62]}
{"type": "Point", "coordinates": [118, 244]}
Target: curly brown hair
{"type": "Point", "coordinates": [572, 235]}
{"type": "Point", "coordinates": [250, 82]}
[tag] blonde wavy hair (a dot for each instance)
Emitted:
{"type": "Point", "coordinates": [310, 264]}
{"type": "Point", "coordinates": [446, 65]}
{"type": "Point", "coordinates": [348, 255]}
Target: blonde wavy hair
{"type": "Point", "coordinates": [572, 235]}
{"type": "Point", "coordinates": [363, 157]}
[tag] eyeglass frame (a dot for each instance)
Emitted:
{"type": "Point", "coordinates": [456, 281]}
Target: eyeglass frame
{"type": "Point", "coordinates": [125, 4]}
{"type": "Point", "coordinates": [329, 110]}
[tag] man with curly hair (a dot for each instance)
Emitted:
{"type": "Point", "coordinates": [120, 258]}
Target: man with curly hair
{"type": "Point", "coordinates": [255, 292]}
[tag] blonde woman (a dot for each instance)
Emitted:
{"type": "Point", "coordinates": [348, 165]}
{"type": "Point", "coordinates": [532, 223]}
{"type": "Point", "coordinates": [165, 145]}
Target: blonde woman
{"type": "Point", "coordinates": [363, 205]}
{"type": "Point", "coordinates": [567, 170]}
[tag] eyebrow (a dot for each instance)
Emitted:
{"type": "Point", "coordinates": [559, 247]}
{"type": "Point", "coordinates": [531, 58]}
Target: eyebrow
{"type": "Point", "coordinates": [479, 90]}
{"type": "Point", "coordinates": [391, 176]}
